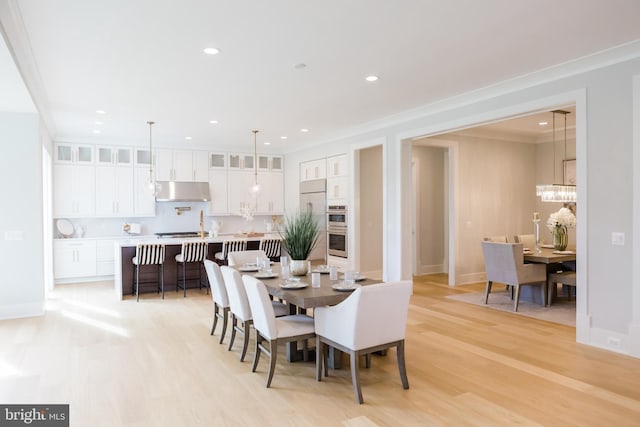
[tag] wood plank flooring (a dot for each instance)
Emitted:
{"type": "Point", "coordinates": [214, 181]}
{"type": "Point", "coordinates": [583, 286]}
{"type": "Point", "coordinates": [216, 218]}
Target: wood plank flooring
{"type": "Point", "coordinates": [154, 363]}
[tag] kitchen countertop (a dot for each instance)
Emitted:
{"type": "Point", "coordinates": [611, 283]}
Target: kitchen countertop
{"type": "Point", "coordinates": [133, 241]}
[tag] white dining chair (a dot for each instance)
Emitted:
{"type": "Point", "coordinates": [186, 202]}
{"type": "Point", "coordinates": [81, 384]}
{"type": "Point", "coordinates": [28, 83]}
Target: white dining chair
{"type": "Point", "coordinates": [504, 263]}
{"type": "Point", "coordinates": [373, 318]}
{"type": "Point", "coordinates": [219, 296]}
{"type": "Point", "coordinates": [237, 258]}
{"type": "Point", "coordinates": [271, 329]}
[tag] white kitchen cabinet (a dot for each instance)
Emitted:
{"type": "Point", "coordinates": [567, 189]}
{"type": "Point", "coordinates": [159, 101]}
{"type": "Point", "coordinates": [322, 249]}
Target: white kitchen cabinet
{"type": "Point", "coordinates": [144, 202]}
{"type": "Point", "coordinates": [217, 160]}
{"type": "Point", "coordinates": [107, 155]}
{"type": "Point", "coordinates": [314, 169]}
{"type": "Point", "coordinates": [337, 166]}
{"type": "Point", "coordinates": [114, 190]}
{"type": "Point", "coordinates": [270, 199]}
{"type": "Point", "coordinates": [73, 153]}
{"type": "Point", "coordinates": [74, 258]}
{"type": "Point", "coordinates": [337, 190]}
{"type": "Point", "coordinates": [182, 165]}
{"type": "Point", "coordinates": [219, 204]}
{"type": "Point", "coordinates": [239, 191]}
{"type": "Point", "coordinates": [142, 157]}
{"type": "Point", "coordinates": [74, 190]}
{"type": "Point", "coordinates": [270, 163]}
{"type": "Point", "coordinates": [241, 161]}
{"type": "Point", "coordinates": [105, 257]}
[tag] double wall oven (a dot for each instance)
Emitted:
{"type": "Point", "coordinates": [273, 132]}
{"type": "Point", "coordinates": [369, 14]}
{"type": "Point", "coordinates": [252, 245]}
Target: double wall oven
{"type": "Point", "coordinates": [337, 231]}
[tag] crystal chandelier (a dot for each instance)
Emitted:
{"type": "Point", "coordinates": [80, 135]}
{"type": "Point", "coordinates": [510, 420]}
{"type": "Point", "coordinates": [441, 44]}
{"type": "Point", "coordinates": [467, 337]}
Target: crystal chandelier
{"type": "Point", "coordinates": [557, 192]}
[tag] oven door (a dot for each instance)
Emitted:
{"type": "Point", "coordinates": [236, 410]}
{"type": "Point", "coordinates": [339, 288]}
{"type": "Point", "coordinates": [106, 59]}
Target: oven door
{"type": "Point", "coordinates": [337, 242]}
{"type": "Point", "coordinates": [337, 218]}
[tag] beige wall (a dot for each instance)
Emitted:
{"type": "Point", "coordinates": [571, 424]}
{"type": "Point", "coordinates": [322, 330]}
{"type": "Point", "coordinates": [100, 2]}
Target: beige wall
{"type": "Point", "coordinates": [371, 210]}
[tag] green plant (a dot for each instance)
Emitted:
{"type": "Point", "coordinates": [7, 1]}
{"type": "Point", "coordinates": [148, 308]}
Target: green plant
{"type": "Point", "coordinates": [299, 235]}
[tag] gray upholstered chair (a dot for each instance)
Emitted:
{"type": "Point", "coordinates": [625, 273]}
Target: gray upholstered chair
{"type": "Point", "coordinates": [504, 263]}
{"type": "Point", "coordinates": [219, 296]}
{"type": "Point", "coordinates": [238, 258]}
{"type": "Point", "coordinates": [567, 278]}
{"type": "Point", "coordinates": [501, 239]}
{"type": "Point", "coordinates": [274, 330]}
{"type": "Point", "coordinates": [149, 254]}
{"type": "Point", "coordinates": [371, 319]}
{"type": "Point", "coordinates": [192, 252]}
{"type": "Point", "coordinates": [527, 240]}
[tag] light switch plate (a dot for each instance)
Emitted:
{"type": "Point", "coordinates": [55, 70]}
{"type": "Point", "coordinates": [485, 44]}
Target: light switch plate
{"type": "Point", "coordinates": [617, 238]}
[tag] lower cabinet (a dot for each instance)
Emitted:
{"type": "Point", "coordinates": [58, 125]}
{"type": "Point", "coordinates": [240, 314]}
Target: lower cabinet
{"type": "Point", "coordinates": [105, 257]}
{"type": "Point", "coordinates": [74, 258]}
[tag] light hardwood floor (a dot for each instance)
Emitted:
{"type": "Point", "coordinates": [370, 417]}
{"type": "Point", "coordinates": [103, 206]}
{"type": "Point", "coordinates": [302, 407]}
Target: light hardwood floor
{"type": "Point", "coordinates": [154, 364]}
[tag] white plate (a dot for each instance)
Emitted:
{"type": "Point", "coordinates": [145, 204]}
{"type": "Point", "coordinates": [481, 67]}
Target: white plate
{"type": "Point", "coordinates": [265, 275]}
{"type": "Point", "coordinates": [563, 252]}
{"type": "Point", "coordinates": [547, 246]}
{"type": "Point", "coordinates": [293, 285]}
{"type": "Point", "coordinates": [248, 268]}
{"type": "Point", "coordinates": [341, 287]}
{"type": "Point", "coordinates": [322, 269]}
{"type": "Point", "coordinates": [358, 278]}
{"type": "Point", "coordinates": [65, 227]}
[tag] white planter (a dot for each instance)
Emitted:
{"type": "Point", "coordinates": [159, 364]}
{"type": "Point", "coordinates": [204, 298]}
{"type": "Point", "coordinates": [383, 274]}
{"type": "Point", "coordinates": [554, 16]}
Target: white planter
{"type": "Point", "coordinates": [299, 267]}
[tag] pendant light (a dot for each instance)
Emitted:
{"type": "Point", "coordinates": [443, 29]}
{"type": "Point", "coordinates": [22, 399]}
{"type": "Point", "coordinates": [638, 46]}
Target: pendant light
{"type": "Point", "coordinates": [255, 188]}
{"type": "Point", "coordinates": [557, 192]}
{"type": "Point", "coordinates": [152, 185]}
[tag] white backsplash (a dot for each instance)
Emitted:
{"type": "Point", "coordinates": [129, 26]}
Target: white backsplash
{"type": "Point", "coordinates": [166, 220]}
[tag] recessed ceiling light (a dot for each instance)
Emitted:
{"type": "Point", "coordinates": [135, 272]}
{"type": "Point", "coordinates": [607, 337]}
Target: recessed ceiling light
{"type": "Point", "coordinates": [188, 138]}
{"type": "Point", "coordinates": [300, 66]}
{"type": "Point", "coordinates": [101, 112]}
{"type": "Point", "coordinates": [211, 51]}
{"type": "Point", "coordinates": [543, 123]}
{"type": "Point", "coordinates": [99, 123]}
{"type": "Point", "coordinates": [267, 143]}
{"type": "Point", "coordinates": [371, 78]}
{"type": "Point", "coordinates": [283, 137]}
{"type": "Point", "coordinates": [304, 130]}
{"type": "Point", "coordinates": [213, 122]}
{"type": "Point", "coordinates": [96, 131]}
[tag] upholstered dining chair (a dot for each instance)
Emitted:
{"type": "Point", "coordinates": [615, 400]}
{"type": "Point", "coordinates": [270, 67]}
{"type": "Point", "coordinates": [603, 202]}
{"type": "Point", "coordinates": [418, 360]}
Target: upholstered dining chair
{"type": "Point", "coordinates": [567, 278]}
{"type": "Point", "coordinates": [239, 307]}
{"type": "Point", "coordinates": [236, 258]}
{"type": "Point", "coordinates": [229, 246]}
{"type": "Point", "coordinates": [219, 296]}
{"type": "Point", "coordinates": [272, 247]}
{"type": "Point", "coordinates": [371, 319]}
{"type": "Point", "coordinates": [501, 239]}
{"type": "Point", "coordinates": [504, 263]}
{"type": "Point", "coordinates": [192, 252]}
{"type": "Point", "coordinates": [271, 329]}
{"type": "Point", "coordinates": [527, 240]}
{"type": "Point", "coordinates": [149, 254]}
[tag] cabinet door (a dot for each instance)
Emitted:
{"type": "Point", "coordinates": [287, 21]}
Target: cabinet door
{"type": "Point", "coordinates": [239, 191]}
{"type": "Point", "coordinates": [337, 166]}
{"type": "Point", "coordinates": [105, 155]}
{"type": "Point", "coordinates": [124, 191]}
{"type": "Point", "coordinates": [217, 160]}
{"type": "Point", "coordinates": [218, 190]}
{"type": "Point", "coordinates": [85, 190]}
{"type": "Point", "coordinates": [271, 195]}
{"type": "Point", "coordinates": [337, 189]}
{"type": "Point", "coordinates": [64, 199]}
{"type": "Point", "coordinates": [123, 156]}
{"type": "Point", "coordinates": [142, 157]}
{"type": "Point", "coordinates": [200, 166]}
{"type": "Point", "coordinates": [277, 165]}
{"type": "Point", "coordinates": [74, 259]}
{"type": "Point", "coordinates": [263, 162]}
{"type": "Point", "coordinates": [164, 165]}
{"type": "Point", "coordinates": [183, 165]}
{"type": "Point", "coordinates": [74, 190]}
{"type": "Point", "coordinates": [144, 203]}
{"type": "Point", "coordinates": [105, 190]}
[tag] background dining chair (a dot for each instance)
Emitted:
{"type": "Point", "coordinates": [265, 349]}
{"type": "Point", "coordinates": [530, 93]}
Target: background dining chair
{"type": "Point", "coordinates": [192, 252]}
{"type": "Point", "coordinates": [527, 240]}
{"type": "Point", "coordinates": [504, 263]}
{"type": "Point", "coordinates": [371, 319]}
{"type": "Point", "coordinates": [238, 258]}
{"type": "Point", "coordinates": [229, 246]}
{"type": "Point", "coordinates": [566, 278]}
{"type": "Point", "coordinates": [272, 329]}
{"type": "Point", "coordinates": [272, 247]}
{"type": "Point", "coordinates": [219, 296]}
{"type": "Point", "coordinates": [239, 307]}
{"type": "Point", "coordinates": [500, 239]}
{"type": "Point", "coordinates": [149, 254]}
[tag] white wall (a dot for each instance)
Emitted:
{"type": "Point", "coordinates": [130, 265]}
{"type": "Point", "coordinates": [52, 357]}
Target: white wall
{"type": "Point", "coordinates": [21, 286]}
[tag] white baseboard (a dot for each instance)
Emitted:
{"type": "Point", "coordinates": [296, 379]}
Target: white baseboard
{"type": "Point", "coordinates": [431, 269]}
{"type": "Point", "coordinates": [17, 311]}
{"type": "Point", "coordinates": [83, 279]}
{"type": "Point", "coordinates": [609, 340]}
{"type": "Point", "coordinates": [465, 279]}
{"type": "Point", "coordinates": [634, 340]}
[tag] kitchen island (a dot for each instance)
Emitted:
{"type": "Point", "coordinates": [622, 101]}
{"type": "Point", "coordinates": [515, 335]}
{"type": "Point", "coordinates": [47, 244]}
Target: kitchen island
{"type": "Point", "coordinates": [125, 250]}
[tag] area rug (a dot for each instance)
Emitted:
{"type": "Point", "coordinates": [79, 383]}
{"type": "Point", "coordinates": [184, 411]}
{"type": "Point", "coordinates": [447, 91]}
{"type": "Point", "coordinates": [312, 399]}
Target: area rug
{"type": "Point", "coordinates": [561, 311]}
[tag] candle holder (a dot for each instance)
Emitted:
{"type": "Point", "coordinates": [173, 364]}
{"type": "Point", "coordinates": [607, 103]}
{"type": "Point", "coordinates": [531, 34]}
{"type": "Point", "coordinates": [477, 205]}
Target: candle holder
{"type": "Point", "coordinates": [536, 234]}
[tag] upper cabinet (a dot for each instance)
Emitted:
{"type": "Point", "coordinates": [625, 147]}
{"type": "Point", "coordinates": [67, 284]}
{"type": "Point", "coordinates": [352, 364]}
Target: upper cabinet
{"type": "Point", "coordinates": [74, 189]}
{"type": "Point", "coordinates": [142, 157]}
{"type": "Point", "coordinates": [314, 169]}
{"type": "Point", "coordinates": [182, 165]}
{"type": "Point", "coordinates": [241, 161]}
{"type": "Point", "coordinates": [121, 156]}
{"type": "Point", "coordinates": [73, 153]}
{"type": "Point", "coordinates": [337, 166]}
{"type": "Point", "coordinates": [217, 160]}
{"type": "Point", "coordinates": [270, 163]}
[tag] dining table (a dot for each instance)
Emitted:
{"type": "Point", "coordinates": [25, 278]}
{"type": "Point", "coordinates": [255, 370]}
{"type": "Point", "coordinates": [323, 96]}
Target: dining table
{"type": "Point", "coordinates": [300, 298]}
{"type": "Point", "coordinates": [549, 255]}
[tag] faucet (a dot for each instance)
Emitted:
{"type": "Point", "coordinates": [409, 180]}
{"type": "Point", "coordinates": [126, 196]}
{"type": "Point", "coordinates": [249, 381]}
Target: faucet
{"type": "Point", "coordinates": [201, 224]}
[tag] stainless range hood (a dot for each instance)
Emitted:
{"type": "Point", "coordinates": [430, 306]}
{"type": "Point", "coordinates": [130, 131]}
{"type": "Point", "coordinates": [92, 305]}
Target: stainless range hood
{"type": "Point", "coordinates": [177, 191]}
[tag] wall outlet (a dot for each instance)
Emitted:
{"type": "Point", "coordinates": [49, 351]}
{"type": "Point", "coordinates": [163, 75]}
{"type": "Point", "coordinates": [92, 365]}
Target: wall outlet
{"type": "Point", "coordinates": [613, 342]}
{"type": "Point", "coordinates": [617, 238]}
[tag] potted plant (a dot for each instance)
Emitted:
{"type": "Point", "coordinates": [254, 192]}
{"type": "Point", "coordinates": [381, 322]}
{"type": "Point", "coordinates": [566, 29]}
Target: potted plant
{"type": "Point", "coordinates": [299, 235]}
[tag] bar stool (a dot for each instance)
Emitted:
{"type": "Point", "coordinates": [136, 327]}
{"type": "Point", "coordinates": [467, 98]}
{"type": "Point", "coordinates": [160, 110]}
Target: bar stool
{"type": "Point", "coordinates": [149, 254]}
{"type": "Point", "coordinates": [229, 246]}
{"type": "Point", "coordinates": [271, 248]}
{"type": "Point", "coordinates": [192, 252]}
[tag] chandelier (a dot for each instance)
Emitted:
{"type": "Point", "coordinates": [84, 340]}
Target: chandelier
{"type": "Point", "coordinates": [557, 192]}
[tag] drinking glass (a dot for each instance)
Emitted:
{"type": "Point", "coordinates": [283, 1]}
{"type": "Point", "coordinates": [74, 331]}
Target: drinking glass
{"type": "Point", "coordinates": [315, 280]}
{"type": "Point", "coordinates": [349, 278]}
{"type": "Point", "coordinates": [333, 273]}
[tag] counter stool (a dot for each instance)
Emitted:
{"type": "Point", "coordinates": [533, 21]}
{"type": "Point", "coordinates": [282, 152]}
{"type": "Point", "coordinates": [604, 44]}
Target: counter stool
{"type": "Point", "coordinates": [192, 252]}
{"type": "Point", "coordinates": [271, 248]}
{"type": "Point", "coordinates": [149, 254]}
{"type": "Point", "coordinates": [565, 277]}
{"type": "Point", "coordinates": [230, 246]}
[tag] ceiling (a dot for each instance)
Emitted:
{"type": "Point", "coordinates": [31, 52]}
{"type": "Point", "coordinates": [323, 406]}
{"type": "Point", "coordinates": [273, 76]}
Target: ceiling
{"type": "Point", "coordinates": [143, 60]}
